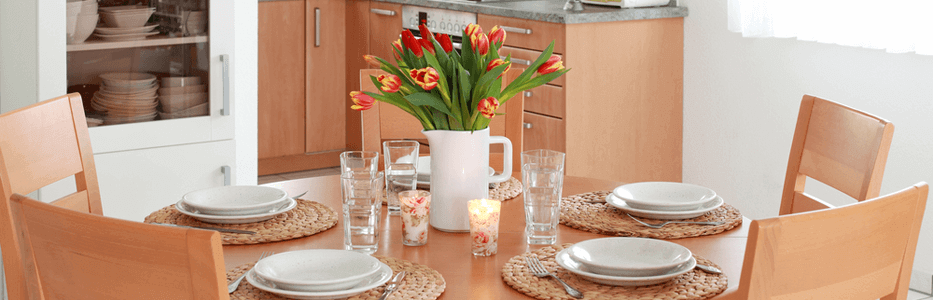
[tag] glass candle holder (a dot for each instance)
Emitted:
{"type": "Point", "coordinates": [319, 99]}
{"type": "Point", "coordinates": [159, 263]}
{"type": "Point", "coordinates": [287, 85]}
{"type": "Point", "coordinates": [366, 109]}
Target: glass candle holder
{"type": "Point", "coordinates": [484, 225]}
{"type": "Point", "coordinates": [415, 205]}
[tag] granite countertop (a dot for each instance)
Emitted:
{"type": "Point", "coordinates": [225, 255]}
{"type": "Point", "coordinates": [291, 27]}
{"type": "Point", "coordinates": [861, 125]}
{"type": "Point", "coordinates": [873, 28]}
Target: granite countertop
{"type": "Point", "coordinates": [548, 10]}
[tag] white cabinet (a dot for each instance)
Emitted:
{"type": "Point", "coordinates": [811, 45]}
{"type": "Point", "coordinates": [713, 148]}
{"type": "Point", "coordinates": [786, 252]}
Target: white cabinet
{"type": "Point", "coordinates": [144, 166]}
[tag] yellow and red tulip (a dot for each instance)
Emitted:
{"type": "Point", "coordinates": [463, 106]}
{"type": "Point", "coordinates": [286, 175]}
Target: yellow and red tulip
{"type": "Point", "coordinates": [497, 35]}
{"type": "Point", "coordinates": [390, 83]}
{"type": "Point", "coordinates": [371, 60]}
{"type": "Point", "coordinates": [552, 64]}
{"type": "Point", "coordinates": [480, 43]}
{"type": "Point", "coordinates": [361, 101]}
{"type": "Point", "coordinates": [472, 29]}
{"type": "Point", "coordinates": [398, 46]}
{"type": "Point", "coordinates": [412, 43]}
{"type": "Point", "coordinates": [487, 107]}
{"type": "Point", "coordinates": [426, 78]}
{"type": "Point", "coordinates": [498, 62]}
{"type": "Point", "coordinates": [445, 42]}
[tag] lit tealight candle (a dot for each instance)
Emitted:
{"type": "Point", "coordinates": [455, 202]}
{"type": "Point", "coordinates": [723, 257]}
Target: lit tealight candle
{"type": "Point", "coordinates": [484, 225]}
{"type": "Point", "coordinates": [415, 206]}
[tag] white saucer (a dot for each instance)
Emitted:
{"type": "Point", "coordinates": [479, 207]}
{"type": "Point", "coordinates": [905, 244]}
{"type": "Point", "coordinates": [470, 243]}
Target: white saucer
{"type": "Point", "coordinates": [665, 215]}
{"type": "Point", "coordinates": [381, 277]}
{"type": "Point", "coordinates": [424, 172]}
{"type": "Point", "coordinates": [251, 218]}
{"type": "Point", "coordinates": [564, 260]}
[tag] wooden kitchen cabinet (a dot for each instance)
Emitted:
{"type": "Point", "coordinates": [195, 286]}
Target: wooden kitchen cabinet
{"type": "Point", "coordinates": [302, 93]}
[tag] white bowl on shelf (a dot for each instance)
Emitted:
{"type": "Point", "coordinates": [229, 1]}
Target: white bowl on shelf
{"type": "Point", "coordinates": [176, 81]}
{"type": "Point", "coordinates": [190, 89]}
{"type": "Point", "coordinates": [84, 26]}
{"type": "Point", "coordinates": [317, 269]}
{"type": "Point", "coordinates": [664, 196]}
{"type": "Point", "coordinates": [128, 80]}
{"type": "Point", "coordinates": [178, 102]}
{"type": "Point", "coordinates": [194, 111]}
{"type": "Point", "coordinates": [235, 199]}
{"type": "Point", "coordinates": [125, 18]}
{"type": "Point", "coordinates": [628, 256]}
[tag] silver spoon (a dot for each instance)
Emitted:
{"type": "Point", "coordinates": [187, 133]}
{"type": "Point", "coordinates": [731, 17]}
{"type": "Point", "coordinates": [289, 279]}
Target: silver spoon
{"type": "Point", "coordinates": [709, 269]}
{"type": "Point", "coordinates": [672, 222]}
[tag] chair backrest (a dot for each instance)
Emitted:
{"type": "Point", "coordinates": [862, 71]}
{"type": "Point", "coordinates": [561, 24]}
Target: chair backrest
{"type": "Point", "coordinates": [864, 250]}
{"type": "Point", "coordinates": [41, 144]}
{"type": "Point", "coordinates": [76, 255]}
{"type": "Point", "coordinates": [837, 145]}
{"type": "Point", "coordinates": [386, 122]}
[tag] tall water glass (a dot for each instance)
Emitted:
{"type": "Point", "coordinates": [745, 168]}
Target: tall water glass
{"type": "Point", "coordinates": [362, 205]}
{"type": "Point", "coordinates": [542, 182]}
{"type": "Point", "coordinates": [359, 163]}
{"type": "Point", "coordinates": [401, 169]}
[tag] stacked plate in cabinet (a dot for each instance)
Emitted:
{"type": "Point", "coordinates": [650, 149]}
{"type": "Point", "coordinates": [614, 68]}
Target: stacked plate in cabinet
{"type": "Point", "coordinates": [625, 261]}
{"type": "Point", "coordinates": [235, 204]}
{"type": "Point", "coordinates": [126, 97]}
{"type": "Point", "coordinates": [183, 97]}
{"type": "Point", "coordinates": [125, 23]}
{"type": "Point", "coordinates": [664, 200]}
{"type": "Point", "coordinates": [318, 274]}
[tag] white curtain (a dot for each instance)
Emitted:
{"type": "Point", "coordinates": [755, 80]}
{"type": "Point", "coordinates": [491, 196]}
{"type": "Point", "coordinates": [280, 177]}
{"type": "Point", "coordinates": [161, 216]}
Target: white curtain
{"type": "Point", "coordinates": [897, 26]}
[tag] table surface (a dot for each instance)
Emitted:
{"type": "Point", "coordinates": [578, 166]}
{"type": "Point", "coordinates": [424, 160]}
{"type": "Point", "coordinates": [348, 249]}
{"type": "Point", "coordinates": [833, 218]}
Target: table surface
{"type": "Point", "coordinates": [470, 277]}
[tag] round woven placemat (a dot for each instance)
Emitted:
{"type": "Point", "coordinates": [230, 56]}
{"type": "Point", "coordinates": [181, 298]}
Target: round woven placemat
{"type": "Point", "coordinates": [420, 283]}
{"type": "Point", "coordinates": [589, 212]}
{"type": "Point", "coordinates": [307, 218]}
{"type": "Point", "coordinates": [692, 285]}
{"type": "Point", "coordinates": [506, 190]}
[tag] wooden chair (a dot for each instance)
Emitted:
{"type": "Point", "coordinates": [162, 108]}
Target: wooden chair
{"type": "Point", "coordinates": [76, 255]}
{"type": "Point", "coordinates": [386, 122]}
{"type": "Point", "coordinates": [864, 250]}
{"type": "Point", "coordinates": [836, 145]}
{"type": "Point", "coordinates": [41, 144]}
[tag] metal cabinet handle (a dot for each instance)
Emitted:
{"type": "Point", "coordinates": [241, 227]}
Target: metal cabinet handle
{"type": "Point", "coordinates": [527, 94]}
{"type": "Point", "coordinates": [518, 61]}
{"type": "Point", "coordinates": [227, 174]}
{"type": "Point", "coordinates": [515, 29]}
{"type": "Point", "coordinates": [225, 60]}
{"type": "Point", "coordinates": [384, 12]}
{"type": "Point", "coordinates": [527, 125]}
{"type": "Point", "coordinates": [317, 27]}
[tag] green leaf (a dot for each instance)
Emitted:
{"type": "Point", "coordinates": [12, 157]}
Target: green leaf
{"type": "Point", "coordinates": [429, 99]}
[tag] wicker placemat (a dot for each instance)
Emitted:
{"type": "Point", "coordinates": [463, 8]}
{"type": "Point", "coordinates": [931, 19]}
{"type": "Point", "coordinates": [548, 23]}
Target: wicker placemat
{"type": "Point", "coordinates": [307, 218]}
{"type": "Point", "coordinates": [420, 283]}
{"type": "Point", "coordinates": [506, 190]}
{"type": "Point", "coordinates": [589, 212]}
{"type": "Point", "coordinates": [692, 285]}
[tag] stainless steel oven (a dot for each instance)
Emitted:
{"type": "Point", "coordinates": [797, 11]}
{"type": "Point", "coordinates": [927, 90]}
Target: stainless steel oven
{"type": "Point", "coordinates": [437, 20]}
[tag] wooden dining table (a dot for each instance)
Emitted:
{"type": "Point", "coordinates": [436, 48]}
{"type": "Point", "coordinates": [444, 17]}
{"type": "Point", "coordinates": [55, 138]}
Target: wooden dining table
{"type": "Point", "coordinates": [467, 276]}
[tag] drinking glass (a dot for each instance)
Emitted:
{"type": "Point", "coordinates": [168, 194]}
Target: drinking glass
{"type": "Point", "coordinates": [415, 206]}
{"type": "Point", "coordinates": [401, 170]}
{"type": "Point", "coordinates": [361, 187]}
{"type": "Point", "coordinates": [542, 181]}
{"type": "Point", "coordinates": [359, 163]}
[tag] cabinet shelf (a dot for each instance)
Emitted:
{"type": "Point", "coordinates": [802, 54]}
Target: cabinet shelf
{"type": "Point", "coordinates": [95, 43]}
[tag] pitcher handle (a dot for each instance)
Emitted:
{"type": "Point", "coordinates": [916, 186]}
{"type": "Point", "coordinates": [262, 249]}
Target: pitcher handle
{"type": "Point", "coordinates": [506, 159]}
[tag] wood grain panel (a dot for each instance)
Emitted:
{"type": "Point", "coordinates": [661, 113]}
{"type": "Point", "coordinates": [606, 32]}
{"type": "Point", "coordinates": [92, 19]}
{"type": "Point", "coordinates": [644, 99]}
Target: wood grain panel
{"type": "Point", "coordinates": [542, 33]}
{"type": "Point", "coordinates": [357, 39]}
{"type": "Point", "coordinates": [545, 133]}
{"type": "Point", "coordinates": [281, 107]}
{"type": "Point", "coordinates": [384, 30]}
{"type": "Point", "coordinates": [326, 88]}
{"type": "Point", "coordinates": [547, 100]}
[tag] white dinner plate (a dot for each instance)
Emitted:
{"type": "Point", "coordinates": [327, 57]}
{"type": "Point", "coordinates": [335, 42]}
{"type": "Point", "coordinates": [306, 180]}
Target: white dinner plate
{"type": "Point", "coordinates": [284, 207]}
{"type": "Point", "coordinates": [235, 200]}
{"type": "Point", "coordinates": [381, 277]}
{"type": "Point", "coordinates": [665, 215]}
{"type": "Point", "coordinates": [629, 256]}
{"type": "Point", "coordinates": [125, 30]}
{"type": "Point", "coordinates": [125, 37]}
{"type": "Point", "coordinates": [661, 195]}
{"type": "Point", "coordinates": [317, 270]}
{"type": "Point", "coordinates": [564, 260]}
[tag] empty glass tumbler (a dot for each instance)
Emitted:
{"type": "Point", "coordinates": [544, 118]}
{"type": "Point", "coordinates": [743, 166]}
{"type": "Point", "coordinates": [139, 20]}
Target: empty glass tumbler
{"type": "Point", "coordinates": [542, 182]}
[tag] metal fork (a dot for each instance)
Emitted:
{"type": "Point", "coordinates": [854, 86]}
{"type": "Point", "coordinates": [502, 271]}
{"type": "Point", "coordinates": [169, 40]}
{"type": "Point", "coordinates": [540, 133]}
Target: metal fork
{"type": "Point", "coordinates": [672, 222]}
{"type": "Point", "coordinates": [538, 270]}
{"type": "Point", "coordinates": [236, 283]}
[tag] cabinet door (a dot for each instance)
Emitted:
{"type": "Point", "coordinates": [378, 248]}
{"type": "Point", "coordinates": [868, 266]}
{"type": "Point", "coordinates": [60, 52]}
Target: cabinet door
{"type": "Point", "coordinates": [281, 107]}
{"type": "Point", "coordinates": [133, 184]}
{"type": "Point", "coordinates": [385, 27]}
{"type": "Point", "coordinates": [543, 132]}
{"type": "Point", "coordinates": [325, 112]}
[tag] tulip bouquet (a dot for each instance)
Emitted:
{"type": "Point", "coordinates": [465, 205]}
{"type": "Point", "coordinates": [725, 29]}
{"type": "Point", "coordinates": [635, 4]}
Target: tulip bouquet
{"type": "Point", "coordinates": [450, 89]}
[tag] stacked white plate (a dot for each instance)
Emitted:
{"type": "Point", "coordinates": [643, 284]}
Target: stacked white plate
{"type": "Point", "coordinates": [183, 97]}
{"type": "Point", "coordinates": [126, 97]}
{"type": "Point", "coordinates": [664, 200]}
{"type": "Point", "coordinates": [318, 274]}
{"type": "Point", "coordinates": [125, 23]}
{"type": "Point", "coordinates": [625, 261]}
{"type": "Point", "coordinates": [235, 204]}
{"type": "Point", "coordinates": [424, 172]}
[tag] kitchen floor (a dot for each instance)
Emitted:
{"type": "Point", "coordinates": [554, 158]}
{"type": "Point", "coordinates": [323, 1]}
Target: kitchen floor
{"type": "Point", "coordinates": [911, 295]}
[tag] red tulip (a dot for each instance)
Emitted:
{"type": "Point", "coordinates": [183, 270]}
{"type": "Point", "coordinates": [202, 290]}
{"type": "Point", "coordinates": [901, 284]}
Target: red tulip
{"type": "Point", "coordinates": [498, 62]}
{"type": "Point", "coordinates": [497, 35]}
{"type": "Point", "coordinates": [427, 45]}
{"type": "Point", "coordinates": [552, 64]}
{"type": "Point", "coordinates": [425, 77]}
{"type": "Point", "coordinates": [398, 46]}
{"type": "Point", "coordinates": [412, 43]}
{"type": "Point", "coordinates": [445, 42]}
{"type": "Point", "coordinates": [371, 60]}
{"type": "Point", "coordinates": [472, 29]}
{"type": "Point", "coordinates": [390, 83]}
{"type": "Point", "coordinates": [487, 107]}
{"type": "Point", "coordinates": [361, 101]}
{"type": "Point", "coordinates": [480, 43]}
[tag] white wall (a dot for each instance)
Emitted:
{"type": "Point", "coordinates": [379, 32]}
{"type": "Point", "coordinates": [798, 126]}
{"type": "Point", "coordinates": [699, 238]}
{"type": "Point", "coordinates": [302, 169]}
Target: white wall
{"type": "Point", "coordinates": [741, 97]}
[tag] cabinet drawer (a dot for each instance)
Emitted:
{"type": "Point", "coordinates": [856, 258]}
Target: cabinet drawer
{"type": "Point", "coordinates": [543, 132]}
{"type": "Point", "coordinates": [522, 58]}
{"type": "Point", "coordinates": [526, 33]}
{"type": "Point", "coordinates": [546, 100]}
